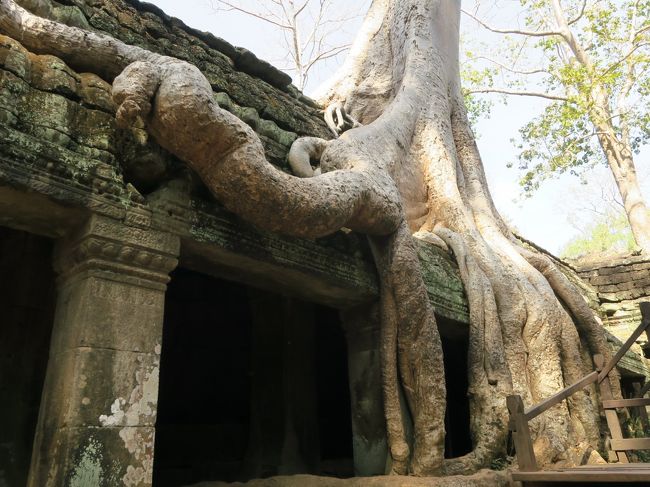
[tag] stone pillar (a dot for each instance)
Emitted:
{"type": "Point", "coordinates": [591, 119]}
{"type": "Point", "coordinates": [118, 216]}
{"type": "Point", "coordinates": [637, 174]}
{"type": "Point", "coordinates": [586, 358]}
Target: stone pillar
{"type": "Point", "coordinates": [98, 409]}
{"type": "Point", "coordinates": [361, 325]}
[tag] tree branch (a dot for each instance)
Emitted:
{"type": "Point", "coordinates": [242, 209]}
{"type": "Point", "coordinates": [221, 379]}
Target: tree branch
{"type": "Point", "coordinates": [327, 54]}
{"type": "Point", "coordinates": [515, 71]}
{"type": "Point", "coordinates": [580, 15]}
{"type": "Point", "coordinates": [231, 6]}
{"type": "Point", "coordinates": [530, 33]}
{"type": "Point", "coordinates": [548, 96]}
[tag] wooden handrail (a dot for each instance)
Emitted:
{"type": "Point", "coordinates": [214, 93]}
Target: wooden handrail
{"type": "Point", "coordinates": [645, 323]}
{"type": "Point", "coordinates": [534, 411]}
{"type": "Point", "coordinates": [519, 417]}
{"type": "Point", "coordinates": [631, 444]}
{"type": "Point", "coordinates": [626, 403]}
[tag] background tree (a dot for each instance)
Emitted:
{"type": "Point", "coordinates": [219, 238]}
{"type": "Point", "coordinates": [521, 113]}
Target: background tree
{"type": "Point", "coordinates": [411, 166]}
{"type": "Point", "coordinates": [311, 29]}
{"type": "Point", "coordinates": [590, 60]}
{"type": "Point", "coordinates": [598, 214]}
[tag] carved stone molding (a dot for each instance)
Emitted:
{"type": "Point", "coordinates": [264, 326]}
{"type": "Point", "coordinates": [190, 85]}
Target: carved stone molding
{"type": "Point", "coordinates": [106, 245]}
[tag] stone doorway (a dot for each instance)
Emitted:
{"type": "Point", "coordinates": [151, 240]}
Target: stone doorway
{"type": "Point", "coordinates": [455, 343]}
{"type": "Point", "coordinates": [27, 302]}
{"type": "Point", "coordinates": [252, 384]}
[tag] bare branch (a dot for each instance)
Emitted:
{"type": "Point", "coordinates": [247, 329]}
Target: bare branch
{"type": "Point", "coordinates": [530, 33]}
{"type": "Point", "coordinates": [327, 54]}
{"type": "Point", "coordinates": [230, 6]}
{"type": "Point", "coordinates": [512, 70]}
{"type": "Point", "coordinates": [548, 96]}
{"type": "Point", "coordinates": [642, 30]}
{"type": "Point", "coordinates": [580, 14]}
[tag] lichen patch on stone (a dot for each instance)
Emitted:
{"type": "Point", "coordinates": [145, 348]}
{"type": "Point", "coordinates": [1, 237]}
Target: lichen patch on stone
{"type": "Point", "coordinates": [88, 470]}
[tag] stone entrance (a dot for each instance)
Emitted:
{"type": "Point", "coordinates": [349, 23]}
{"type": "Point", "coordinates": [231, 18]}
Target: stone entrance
{"type": "Point", "coordinates": [252, 384]}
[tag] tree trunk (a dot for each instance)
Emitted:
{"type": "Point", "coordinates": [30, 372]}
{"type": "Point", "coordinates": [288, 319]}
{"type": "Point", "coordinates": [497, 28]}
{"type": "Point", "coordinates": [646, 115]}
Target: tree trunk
{"type": "Point", "coordinates": [621, 163]}
{"type": "Point", "coordinates": [413, 165]}
{"type": "Point", "coordinates": [618, 154]}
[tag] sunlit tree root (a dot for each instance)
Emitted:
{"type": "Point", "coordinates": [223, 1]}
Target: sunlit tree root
{"type": "Point", "coordinates": [411, 166]}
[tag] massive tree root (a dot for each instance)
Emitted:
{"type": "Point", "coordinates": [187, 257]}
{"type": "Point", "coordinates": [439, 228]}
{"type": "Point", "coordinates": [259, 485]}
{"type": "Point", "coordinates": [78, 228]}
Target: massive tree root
{"type": "Point", "coordinates": [409, 163]}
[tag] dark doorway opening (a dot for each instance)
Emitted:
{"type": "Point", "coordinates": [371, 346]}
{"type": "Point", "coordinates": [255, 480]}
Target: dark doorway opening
{"type": "Point", "coordinates": [334, 415]}
{"type": "Point", "coordinates": [27, 301]}
{"type": "Point", "coordinates": [203, 400]}
{"type": "Point", "coordinates": [455, 343]}
{"type": "Point", "coordinates": [252, 384]}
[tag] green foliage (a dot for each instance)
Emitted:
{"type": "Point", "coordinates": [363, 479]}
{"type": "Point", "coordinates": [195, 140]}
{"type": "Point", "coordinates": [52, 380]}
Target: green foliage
{"type": "Point", "coordinates": [602, 79]}
{"type": "Point", "coordinates": [608, 234]}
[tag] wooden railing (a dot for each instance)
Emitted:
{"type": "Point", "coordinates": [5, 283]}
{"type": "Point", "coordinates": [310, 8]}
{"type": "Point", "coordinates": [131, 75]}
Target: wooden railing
{"type": "Point", "coordinates": [519, 416]}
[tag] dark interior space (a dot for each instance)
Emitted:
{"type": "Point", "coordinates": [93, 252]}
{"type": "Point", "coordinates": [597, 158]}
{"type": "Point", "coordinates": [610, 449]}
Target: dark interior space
{"type": "Point", "coordinates": [455, 343]}
{"type": "Point", "coordinates": [333, 392]}
{"type": "Point", "coordinates": [27, 301]}
{"type": "Point", "coordinates": [203, 402]}
{"type": "Point", "coordinates": [228, 350]}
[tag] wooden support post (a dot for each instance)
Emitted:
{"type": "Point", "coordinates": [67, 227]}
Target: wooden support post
{"type": "Point", "coordinates": [521, 434]}
{"type": "Point", "coordinates": [610, 414]}
{"type": "Point", "coordinates": [643, 411]}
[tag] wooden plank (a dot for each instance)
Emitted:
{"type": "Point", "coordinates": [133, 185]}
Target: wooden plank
{"type": "Point", "coordinates": [641, 411]}
{"type": "Point", "coordinates": [645, 323]}
{"type": "Point", "coordinates": [626, 403]}
{"type": "Point", "coordinates": [546, 404]}
{"type": "Point", "coordinates": [623, 475]}
{"type": "Point", "coordinates": [521, 434]}
{"type": "Point", "coordinates": [610, 414]}
{"type": "Point", "coordinates": [609, 466]}
{"type": "Point", "coordinates": [631, 444]}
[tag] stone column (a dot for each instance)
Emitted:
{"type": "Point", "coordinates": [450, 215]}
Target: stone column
{"type": "Point", "coordinates": [369, 445]}
{"type": "Point", "coordinates": [98, 409]}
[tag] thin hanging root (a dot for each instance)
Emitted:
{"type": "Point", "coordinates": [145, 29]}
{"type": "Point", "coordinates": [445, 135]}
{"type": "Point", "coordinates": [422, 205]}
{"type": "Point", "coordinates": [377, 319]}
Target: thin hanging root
{"type": "Point", "coordinates": [585, 320]}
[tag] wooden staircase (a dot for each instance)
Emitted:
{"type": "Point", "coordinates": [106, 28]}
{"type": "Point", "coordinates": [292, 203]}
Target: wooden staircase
{"type": "Point", "coordinates": [620, 473]}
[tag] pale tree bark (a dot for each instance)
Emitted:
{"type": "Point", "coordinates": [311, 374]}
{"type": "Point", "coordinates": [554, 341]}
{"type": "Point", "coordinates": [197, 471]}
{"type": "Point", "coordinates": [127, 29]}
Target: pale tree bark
{"type": "Point", "coordinates": [412, 165]}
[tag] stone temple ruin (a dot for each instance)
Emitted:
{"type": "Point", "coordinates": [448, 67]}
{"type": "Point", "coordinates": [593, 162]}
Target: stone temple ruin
{"type": "Point", "coordinates": [148, 335]}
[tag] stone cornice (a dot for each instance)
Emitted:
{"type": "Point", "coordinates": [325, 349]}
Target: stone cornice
{"type": "Point", "coordinates": [103, 244]}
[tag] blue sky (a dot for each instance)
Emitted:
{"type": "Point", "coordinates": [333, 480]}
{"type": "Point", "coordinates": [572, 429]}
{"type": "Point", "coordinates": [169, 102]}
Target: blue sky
{"type": "Point", "coordinates": [543, 218]}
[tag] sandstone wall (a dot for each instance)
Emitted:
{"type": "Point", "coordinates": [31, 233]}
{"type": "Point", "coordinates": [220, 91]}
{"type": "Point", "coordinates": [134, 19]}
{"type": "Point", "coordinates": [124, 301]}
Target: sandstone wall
{"type": "Point", "coordinates": [621, 283]}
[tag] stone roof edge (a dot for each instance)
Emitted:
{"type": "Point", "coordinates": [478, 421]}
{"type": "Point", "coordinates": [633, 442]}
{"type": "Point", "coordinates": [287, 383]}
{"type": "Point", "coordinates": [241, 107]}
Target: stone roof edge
{"type": "Point", "coordinates": [243, 59]}
{"type": "Point", "coordinates": [611, 261]}
{"type": "Point", "coordinates": [549, 254]}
